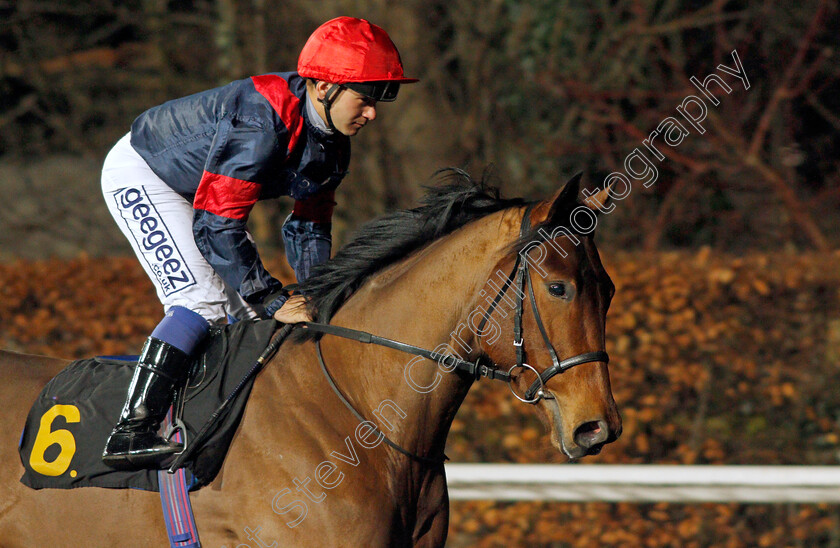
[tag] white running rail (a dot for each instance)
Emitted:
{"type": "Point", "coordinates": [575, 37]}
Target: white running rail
{"type": "Point", "coordinates": [644, 483]}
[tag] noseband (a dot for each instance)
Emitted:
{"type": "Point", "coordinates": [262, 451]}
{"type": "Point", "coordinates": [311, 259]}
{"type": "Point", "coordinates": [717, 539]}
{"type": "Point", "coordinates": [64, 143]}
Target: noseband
{"type": "Point", "coordinates": [476, 369]}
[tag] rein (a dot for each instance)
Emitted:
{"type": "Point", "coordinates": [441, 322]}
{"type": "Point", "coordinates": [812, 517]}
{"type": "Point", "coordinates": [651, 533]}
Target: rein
{"type": "Point", "coordinates": [429, 461]}
{"type": "Point", "coordinates": [476, 369]}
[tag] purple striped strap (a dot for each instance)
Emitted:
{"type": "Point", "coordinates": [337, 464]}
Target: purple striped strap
{"type": "Point", "coordinates": [175, 501]}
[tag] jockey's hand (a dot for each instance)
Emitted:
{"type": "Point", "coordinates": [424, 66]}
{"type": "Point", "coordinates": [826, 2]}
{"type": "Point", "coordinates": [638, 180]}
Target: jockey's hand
{"type": "Point", "coordinates": [293, 311]}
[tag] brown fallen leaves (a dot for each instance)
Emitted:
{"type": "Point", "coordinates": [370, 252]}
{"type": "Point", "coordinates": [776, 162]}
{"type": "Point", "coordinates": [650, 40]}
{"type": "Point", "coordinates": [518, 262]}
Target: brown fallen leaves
{"type": "Point", "coordinates": [715, 359]}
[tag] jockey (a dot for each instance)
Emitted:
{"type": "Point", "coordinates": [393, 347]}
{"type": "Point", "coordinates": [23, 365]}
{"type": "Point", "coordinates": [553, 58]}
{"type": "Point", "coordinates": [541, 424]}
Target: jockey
{"type": "Point", "coordinates": [182, 183]}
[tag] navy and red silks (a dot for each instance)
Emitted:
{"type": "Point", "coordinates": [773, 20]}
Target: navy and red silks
{"type": "Point", "coordinates": [226, 148]}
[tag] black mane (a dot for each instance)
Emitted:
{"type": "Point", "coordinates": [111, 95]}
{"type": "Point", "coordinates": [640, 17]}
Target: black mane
{"type": "Point", "coordinates": [383, 241]}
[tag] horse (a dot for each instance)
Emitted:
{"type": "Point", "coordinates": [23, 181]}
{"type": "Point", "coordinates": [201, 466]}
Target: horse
{"type": "Point", "coordinates": [342, 443]}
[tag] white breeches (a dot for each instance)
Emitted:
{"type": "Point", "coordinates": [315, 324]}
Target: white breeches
{"type": "Point", "coordinates": [158, 224]}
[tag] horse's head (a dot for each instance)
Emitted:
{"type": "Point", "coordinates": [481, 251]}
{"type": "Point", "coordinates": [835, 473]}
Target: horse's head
{"type": "Point", "coordinates": [557, 293]}
{"type": "Point", "coordinates": [562, 293]}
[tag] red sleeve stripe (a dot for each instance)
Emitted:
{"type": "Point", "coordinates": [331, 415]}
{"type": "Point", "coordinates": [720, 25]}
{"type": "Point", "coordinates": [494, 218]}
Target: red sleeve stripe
{"type": "Point", "coordinates": [226, 196]}
{"type": "Point", "coordinates": [318, 208]}
{"type": "Point", "coordinates": [276, 91]}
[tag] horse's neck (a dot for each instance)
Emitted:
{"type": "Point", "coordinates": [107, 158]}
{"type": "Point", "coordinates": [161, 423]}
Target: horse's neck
{"type": "Point", "coordinates": [422, 301]}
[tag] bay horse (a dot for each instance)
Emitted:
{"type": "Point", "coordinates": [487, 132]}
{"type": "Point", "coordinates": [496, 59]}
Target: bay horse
{"type": "Point", "coordinates": [303, 470]}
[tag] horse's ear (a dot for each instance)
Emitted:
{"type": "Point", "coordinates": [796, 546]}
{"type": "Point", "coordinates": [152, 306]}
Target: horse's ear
{"type": "Point", "coordinates": [598, 202]}
{"type": "Point", "coordinates": [563, 198]}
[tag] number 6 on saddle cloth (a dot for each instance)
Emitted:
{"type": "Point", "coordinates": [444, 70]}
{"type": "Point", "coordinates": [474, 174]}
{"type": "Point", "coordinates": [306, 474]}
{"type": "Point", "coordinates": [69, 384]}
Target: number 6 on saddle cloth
{"type": "Point", "coordinates": [69, 423]}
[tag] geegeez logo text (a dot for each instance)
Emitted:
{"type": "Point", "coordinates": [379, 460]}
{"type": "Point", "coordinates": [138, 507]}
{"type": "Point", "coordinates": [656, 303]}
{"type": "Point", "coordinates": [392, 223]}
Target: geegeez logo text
{"type": "Point", "coordinates": [154, 240]}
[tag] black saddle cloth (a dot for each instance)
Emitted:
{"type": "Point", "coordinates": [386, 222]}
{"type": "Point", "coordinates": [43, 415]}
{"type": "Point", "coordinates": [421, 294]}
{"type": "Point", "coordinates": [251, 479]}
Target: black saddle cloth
{"type": "Point", "coordinates": [68, 425]}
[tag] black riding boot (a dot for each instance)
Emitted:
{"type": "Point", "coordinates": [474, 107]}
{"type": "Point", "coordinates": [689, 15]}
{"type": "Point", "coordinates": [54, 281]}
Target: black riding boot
{"type": "Point", "coordinates": [134, 443]}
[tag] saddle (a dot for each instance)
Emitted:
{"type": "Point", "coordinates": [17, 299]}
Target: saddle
{"type": "Point", "coordinates": [69, 423]}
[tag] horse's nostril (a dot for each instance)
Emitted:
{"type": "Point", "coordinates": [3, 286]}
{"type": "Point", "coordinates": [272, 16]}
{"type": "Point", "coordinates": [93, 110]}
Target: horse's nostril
{"type": "Point", "coordinates": [592, 433]}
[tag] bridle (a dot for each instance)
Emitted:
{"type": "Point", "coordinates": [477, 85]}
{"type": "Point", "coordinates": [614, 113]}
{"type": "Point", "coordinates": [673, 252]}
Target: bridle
{"type": "Point", "coordinates": [520, 269]}
{"type": "Point", "coordinates": [534, 393]}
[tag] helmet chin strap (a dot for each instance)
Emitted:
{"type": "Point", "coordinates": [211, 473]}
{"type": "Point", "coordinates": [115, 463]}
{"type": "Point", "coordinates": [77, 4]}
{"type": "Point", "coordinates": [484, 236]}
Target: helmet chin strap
{"type": "Point", "coordinates": [328, 100]}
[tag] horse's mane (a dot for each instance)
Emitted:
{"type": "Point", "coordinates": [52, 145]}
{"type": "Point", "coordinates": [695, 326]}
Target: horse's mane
{"type": "Point", "coordinates": [455, 201]}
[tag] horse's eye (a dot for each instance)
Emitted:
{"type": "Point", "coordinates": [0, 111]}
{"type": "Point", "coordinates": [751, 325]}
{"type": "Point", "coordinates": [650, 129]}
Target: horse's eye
{"type": "Point", "coordinates": [557, 289]}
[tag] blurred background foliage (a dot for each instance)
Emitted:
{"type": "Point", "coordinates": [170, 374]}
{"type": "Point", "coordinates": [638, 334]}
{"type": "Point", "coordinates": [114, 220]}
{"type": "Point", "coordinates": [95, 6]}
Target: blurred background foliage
{"type": "Point", "coordinates": [536, 89]}
{"type": "Point", "coordinates": [724, 332]}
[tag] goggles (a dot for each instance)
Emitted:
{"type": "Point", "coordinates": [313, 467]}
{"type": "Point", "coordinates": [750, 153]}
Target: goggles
{"type": "Point", "coordinates": [384, 91]}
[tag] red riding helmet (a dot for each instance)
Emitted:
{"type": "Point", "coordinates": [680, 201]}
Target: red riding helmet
{"type": "Point", "coordinates": [348, 50]}
{"type": "Point", "coordinates": [356, 54]}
